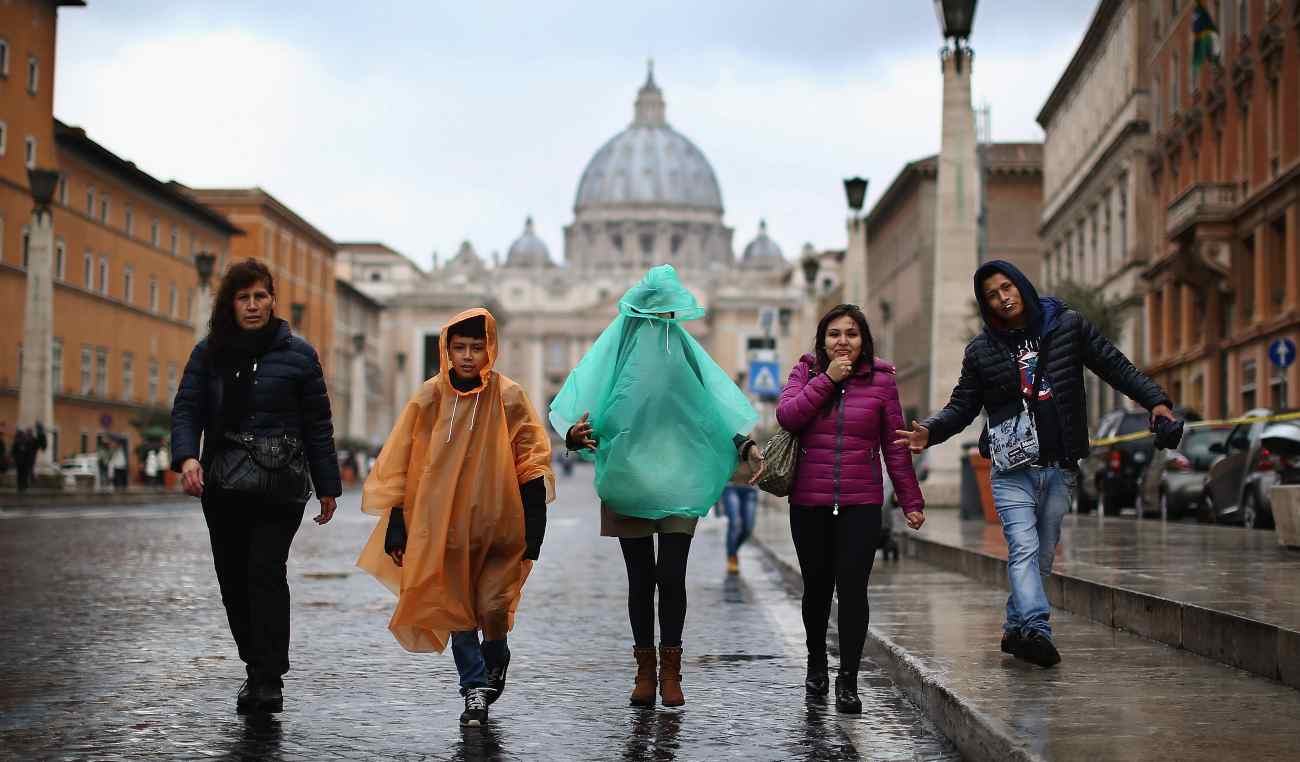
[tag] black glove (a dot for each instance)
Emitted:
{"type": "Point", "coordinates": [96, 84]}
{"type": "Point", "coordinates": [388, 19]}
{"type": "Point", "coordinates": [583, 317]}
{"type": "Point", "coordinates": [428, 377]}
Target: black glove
{"type": "Point", "coordinates": [395, 537]}
{"type": "Point", "coordinates": [533, 495]}
{"type": "Point", "coordinates": [1168, 433]}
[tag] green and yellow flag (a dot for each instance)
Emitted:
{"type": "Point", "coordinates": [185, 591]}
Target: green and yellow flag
{"type": "Point", "coordinates": [1205, 39]}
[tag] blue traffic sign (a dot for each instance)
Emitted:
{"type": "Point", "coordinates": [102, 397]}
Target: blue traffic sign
{"type": "Point", "coordinates": [1282, 352]}
{"type": "Point", "coordinates": [764, 378]}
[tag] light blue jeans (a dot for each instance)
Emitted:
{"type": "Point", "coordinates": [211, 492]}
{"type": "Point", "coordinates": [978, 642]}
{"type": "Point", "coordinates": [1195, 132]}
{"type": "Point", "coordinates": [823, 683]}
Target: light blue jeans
{"type": "Point", "coordinates": [1031, 503]}
{"type": "Point", "coordinates": [740, 501]}
{"type": "Point", "coordinates": [472, 657]}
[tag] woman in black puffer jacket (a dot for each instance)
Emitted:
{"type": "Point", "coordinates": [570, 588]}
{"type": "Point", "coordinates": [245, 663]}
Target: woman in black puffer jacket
{"type": "Point", "coordinates": [252, 375]}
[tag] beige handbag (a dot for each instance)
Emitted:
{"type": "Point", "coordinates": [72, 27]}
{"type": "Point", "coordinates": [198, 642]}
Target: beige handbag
{"type": "Point", "coordinates": [780, 458]}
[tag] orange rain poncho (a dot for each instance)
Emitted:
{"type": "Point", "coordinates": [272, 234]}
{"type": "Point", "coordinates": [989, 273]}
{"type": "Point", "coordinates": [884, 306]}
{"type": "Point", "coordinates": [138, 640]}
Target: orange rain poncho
{"type": "Point", "coordinates": [455, 461]}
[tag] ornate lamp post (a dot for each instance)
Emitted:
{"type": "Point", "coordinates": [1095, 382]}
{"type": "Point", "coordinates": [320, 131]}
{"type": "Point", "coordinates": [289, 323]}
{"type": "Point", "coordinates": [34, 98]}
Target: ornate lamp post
{"type": "Point", "coordinates": [296, 311]}
{"type": "Point", "coordinates": [854, 276]}
{"type": "Point", "coordinates": [36, 384]}
{"type": "Point", "coordinates": [956, 241]}
{"type": "Point", "coordinates": [204, 264]}
{"type": "Point", "coordinates": [357, 388]}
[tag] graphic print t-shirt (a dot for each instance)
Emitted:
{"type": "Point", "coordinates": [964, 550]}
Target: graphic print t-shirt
{"type": "Point", "coordinates": [1046, 418]}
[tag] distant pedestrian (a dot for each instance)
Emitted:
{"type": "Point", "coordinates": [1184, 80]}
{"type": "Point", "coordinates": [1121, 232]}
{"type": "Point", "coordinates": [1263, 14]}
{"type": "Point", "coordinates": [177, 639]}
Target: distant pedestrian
{"type": "Point", "coordinates": [661, 421]}
{"type": "Point", "coordinates": [1025, 371]}
{"type": "Point", "coordinates": [463, 498]}
{"type": "Point", "coordinates": [151, 469]}
{"type": "Point", "coordinates": [164, 464]}
{"type": "Point", "coordinates": [842, 402]}
{"type": "Point", "coordinates": [255, 394]}
{"type": "Point", "coordinates": [740, 506]}
{"type": "Point", "coordinates": [117, 464]}
{"type": "Point", "coordinates": [24, 453]}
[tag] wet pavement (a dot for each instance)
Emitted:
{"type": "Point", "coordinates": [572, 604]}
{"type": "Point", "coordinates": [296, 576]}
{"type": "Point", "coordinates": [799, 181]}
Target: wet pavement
{"type": "Point", "coordinates": [114, 645]}
{"type": "Point", "coordinates": [1115, 696]}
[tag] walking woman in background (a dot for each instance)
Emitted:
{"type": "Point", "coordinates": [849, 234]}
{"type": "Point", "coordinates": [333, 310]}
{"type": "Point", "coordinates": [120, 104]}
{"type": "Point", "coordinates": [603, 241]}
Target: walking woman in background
{"type": "Point", "coordinates": [256, 394]}
{"type": "Point", "coordinates": [842, 402]}
{"type": "Point", "coordinates": [660, 419]}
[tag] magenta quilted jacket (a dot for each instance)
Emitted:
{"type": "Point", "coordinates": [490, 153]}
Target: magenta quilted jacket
{"type": "Point", "coordinates": [842, 432]}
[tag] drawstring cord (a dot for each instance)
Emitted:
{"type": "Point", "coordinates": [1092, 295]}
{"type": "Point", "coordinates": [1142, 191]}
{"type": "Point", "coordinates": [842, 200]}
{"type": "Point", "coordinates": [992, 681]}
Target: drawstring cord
{"type": "Point", "coordinates": [451, 426]}
{"type": "Point", "coordinates": [474, 414]}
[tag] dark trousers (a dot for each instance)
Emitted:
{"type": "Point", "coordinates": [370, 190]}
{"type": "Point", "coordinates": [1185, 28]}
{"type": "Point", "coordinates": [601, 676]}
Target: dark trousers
{"type": "Point", "coordinates": [836, 553]}
{"type": "Point", "coordinates": [250, 547]}
{"type": "Point", "coordinates": [24, 476]}
{"type": "Point", "coordinates": [645, 574]}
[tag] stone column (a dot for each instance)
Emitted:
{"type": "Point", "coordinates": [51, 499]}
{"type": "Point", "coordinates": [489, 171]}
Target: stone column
{"type": "Point", "coordinates": [1292, 256]}
{"type": "Point", "coordinates": [854, 275]}
{"type": "Point", "coordinates": [357, 390]}
{"type": "Point", "coordinates": [1263, 297]}
{"type": "Point", "coordinates": [35, 386]}
{"type": "Point", "coordinates": [956, 256]}
{"type": "Point", "coordinates": [1187, 317]}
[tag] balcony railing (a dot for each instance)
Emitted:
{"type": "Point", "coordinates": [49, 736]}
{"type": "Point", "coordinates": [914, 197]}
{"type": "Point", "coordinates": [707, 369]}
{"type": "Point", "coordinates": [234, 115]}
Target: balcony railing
{"type": "Point", "coordinates": [1204, 202]}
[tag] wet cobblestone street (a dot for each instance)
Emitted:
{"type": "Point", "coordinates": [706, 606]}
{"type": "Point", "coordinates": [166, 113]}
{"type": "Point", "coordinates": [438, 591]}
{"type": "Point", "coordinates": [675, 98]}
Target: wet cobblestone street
{"type": "Point", "coordinates": [114, 645]}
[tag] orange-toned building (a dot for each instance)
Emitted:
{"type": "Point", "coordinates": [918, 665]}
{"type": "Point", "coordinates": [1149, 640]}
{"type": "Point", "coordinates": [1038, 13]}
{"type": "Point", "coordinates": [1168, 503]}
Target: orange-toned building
{"type": "Point", "coordinates": [1225, 276]}
{"type": "Point", "coordinates": [122, 263]}
{"type": "Point", "coordinates": [299, 255]}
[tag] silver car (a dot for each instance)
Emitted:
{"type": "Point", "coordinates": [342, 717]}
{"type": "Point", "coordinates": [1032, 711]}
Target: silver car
{"type": "Point", "coordinates": [1237, 489]}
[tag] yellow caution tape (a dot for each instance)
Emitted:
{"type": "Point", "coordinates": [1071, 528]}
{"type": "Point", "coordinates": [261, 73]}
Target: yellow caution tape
{"type": "Point", "coordinates": [1135, 436]}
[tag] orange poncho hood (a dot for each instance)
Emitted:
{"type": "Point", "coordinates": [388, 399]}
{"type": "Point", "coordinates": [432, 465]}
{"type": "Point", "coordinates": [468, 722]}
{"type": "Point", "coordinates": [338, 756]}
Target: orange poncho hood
{"type": "Point", "coordinates": [457, 478]}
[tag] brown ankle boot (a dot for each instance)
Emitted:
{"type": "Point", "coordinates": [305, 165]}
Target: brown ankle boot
{"type": "Point", "coordinates": [670, 675]}
{"type": "Point", "coordinates": [643, 693]}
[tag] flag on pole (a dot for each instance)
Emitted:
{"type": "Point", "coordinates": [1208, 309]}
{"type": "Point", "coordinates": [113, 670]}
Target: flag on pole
{"type": "Point", "coordinates": [1205, 39]}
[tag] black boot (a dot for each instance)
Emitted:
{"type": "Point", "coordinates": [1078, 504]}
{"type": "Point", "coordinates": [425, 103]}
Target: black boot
{"type": "Point", "coordinates": [247, 698]}
{"type": "Point", "coordinates": [846, 693]}
{"type": "Point", "coordinates": [269, 695]}
{"type": "Point", "coordinates": [497, 667]}
{"type": "Point", "coordinates": [818, 682]}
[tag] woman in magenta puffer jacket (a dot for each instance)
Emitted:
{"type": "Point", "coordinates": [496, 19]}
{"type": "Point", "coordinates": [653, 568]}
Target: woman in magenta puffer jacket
{"type": "Point", "coordinates": [843, 405]}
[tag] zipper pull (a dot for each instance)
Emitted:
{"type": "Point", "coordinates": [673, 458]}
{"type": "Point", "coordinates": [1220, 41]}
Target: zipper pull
{"type": "Point", "coordinates": [835, 511]}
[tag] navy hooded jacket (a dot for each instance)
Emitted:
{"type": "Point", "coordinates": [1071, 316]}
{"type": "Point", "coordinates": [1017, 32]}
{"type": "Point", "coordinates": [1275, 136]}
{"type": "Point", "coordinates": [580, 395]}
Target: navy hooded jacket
{"type": "Point", "coordinates": [990, 377]}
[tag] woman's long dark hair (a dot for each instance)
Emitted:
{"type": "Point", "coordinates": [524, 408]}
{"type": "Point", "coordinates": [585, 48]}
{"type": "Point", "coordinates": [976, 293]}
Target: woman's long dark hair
{"type": "Point", "coordinates": [221, 324]}
{"type": "Point", "coordinates": [868, 355]}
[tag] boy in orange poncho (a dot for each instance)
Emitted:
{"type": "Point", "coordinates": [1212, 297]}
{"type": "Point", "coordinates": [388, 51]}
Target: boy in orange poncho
{"type": "Point", "coordinates": [466, 476]}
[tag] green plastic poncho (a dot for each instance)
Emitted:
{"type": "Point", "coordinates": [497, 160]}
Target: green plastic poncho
{"type": "Point", "coordinates": [663, 413]}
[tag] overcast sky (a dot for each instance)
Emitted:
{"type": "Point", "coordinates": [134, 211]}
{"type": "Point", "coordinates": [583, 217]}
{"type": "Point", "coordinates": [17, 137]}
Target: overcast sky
{"type": "Point", "coordinates": [422, 124]}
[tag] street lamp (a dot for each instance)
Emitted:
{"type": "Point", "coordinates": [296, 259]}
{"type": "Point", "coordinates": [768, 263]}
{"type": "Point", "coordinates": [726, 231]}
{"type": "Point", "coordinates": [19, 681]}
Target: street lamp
{"type": "Point", "coordinates": [42, 183]}
{"type": "Point", "coordinates": [205, 262]}
{"type": "Point", "coordinates": [956, 18]}
{"type": "Point", "coordinates": [810, 267]}
{"type": "Point", "coordinates": [359, 342]}
{"type": "Point", "coordinates": [295, 312]}
{"type": "Point", "coordinates": [855, 188]}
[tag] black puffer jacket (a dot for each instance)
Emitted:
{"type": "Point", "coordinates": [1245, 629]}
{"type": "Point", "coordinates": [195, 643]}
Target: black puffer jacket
{"type": "Point", "coordinates": [288, 397]}
{"type": "Point", "coordinates": [990, 377]}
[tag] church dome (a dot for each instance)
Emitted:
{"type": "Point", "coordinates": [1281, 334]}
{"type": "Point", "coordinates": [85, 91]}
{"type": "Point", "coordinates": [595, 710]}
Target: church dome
{"type": "Point", "coordinates": [528, 250]}
{"type": "Point", "coordinates": [762, 253]}
{"type": "Point", "coordinates": [649, 163]}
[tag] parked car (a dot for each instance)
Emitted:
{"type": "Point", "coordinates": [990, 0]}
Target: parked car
{"type": "Point", "coordinates": [1174, 482]}
{"type": "Point", "coordinates": [84, 465]}
{"type": "Point", "coordinates": [1110, 474]}
{"type": "Point", "coordinates": [1253, 458]}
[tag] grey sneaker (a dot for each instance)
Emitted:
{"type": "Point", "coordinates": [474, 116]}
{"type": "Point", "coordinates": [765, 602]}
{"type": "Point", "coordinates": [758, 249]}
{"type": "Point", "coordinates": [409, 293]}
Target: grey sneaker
{"type": "Point", "coordinates": [476, 707]}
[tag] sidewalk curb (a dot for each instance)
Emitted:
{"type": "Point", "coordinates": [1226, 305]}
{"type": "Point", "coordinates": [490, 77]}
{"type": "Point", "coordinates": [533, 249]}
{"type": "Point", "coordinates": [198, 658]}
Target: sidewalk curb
{"type": "Point", "coordinates": [975, 734]}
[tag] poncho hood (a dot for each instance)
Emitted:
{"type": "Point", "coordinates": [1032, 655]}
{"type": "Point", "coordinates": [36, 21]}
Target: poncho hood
{"type": "Point", "coordinates": [444, 350]}
{"type": "Point", "coordinates": [660, 292]}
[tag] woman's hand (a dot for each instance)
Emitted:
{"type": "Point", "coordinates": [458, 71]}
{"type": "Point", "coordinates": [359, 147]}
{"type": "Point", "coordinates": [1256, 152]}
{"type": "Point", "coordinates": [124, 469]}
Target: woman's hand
{"type": "Point", "coordinates": [756, 463]}
{"type": "Point", "coordinates": [915, 519]}
{"type": "Point", "coordinates": [915, 440]}
{"type": "Point", "coordinates": [327, 507]}
{"type": "Point", "coordinates": [840, 369]}
{"type": "Point", "coordinates": [192, 477]}
{"type": "Point", "coordinates": [580, 434]}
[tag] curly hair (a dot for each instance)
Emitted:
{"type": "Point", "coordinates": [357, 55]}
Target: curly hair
{"type": "Point", "coordinates": [240, 275]}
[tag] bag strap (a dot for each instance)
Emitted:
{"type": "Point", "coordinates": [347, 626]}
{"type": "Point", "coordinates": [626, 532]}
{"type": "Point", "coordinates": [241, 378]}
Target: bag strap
{"type": "Point", "coordinates": [1040, 370]}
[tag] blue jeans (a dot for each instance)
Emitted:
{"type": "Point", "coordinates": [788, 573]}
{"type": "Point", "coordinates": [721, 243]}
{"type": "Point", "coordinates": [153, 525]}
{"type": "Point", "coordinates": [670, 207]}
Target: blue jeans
{"type": "Point", "coordinates": [740, 501]}
{"type": "Point", "coordinates": [1031, 503]}
{"type": "Point", "coordinates": [472, 658]}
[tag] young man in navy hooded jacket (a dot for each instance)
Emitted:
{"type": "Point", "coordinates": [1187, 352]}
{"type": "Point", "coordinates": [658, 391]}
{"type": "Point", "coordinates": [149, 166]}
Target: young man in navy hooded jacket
{"type": "Point", "coordinates": [999, 368]}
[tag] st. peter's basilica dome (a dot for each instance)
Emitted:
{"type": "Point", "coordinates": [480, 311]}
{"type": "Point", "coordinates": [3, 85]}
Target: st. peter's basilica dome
{"type": "Point", "coordinates": [529, 250]}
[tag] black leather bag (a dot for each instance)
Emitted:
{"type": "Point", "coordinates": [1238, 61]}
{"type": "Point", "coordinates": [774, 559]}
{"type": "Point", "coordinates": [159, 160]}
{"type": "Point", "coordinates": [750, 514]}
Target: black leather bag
{"type": "Point", "coordinates": [272, 468]}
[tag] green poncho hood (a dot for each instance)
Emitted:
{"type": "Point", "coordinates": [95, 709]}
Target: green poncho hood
{"type": "Point", "coordinates": [663, 413]}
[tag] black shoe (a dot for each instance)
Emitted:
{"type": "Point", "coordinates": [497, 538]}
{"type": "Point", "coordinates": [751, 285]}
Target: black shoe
{"type": "Point", "coordinates": [846, 693]}
{"type": "Point", "coordinates": [269, 697]}
{"type": "Point", "coordinates": [247, 698]}
{"type": "Point", "coordinates": [1012, 642]}
{"type": "Point", "coordinates": [496, 677]}
{"type": "Point", "coordinates": [1037, 648]}
{"type": "Point", "coordinates": [818, 682]}
{"type": "Point", "coordinates": [476, 707]}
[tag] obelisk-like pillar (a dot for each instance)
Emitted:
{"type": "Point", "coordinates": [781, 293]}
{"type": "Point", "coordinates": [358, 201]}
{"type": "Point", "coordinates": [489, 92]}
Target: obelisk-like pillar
{"type": "Point", "coordinates": [357, 390]}
{"type": "Point", "coordinates": [956, 256]}
{"type": "Point", "coordinates": [36, 384]}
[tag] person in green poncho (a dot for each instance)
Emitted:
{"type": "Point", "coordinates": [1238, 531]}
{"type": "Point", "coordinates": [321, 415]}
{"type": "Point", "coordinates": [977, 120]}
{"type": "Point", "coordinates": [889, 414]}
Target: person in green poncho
{"type": "Point", "coordinates": [660, 420]}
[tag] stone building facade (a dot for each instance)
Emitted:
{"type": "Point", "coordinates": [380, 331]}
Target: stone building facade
{"type": "Point", "coordinates": [1098, 201]}
{"type": "Point", "coordinates": [901, 252]}
{"type": "Point", "coordinates": [361, 400]}
{"type": "Point", "coordinates": [1224, 280]}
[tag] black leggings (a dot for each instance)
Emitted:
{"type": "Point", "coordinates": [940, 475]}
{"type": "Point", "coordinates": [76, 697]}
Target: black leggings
{"type": "Point", "coordinates": [836, 552]}
{"type": "Point", "coordinates": [669, 574]}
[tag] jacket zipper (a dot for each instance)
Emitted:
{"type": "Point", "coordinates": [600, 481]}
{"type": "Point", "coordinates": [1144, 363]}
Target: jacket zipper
{"type": "Point", "coordinates": [839, 442]}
